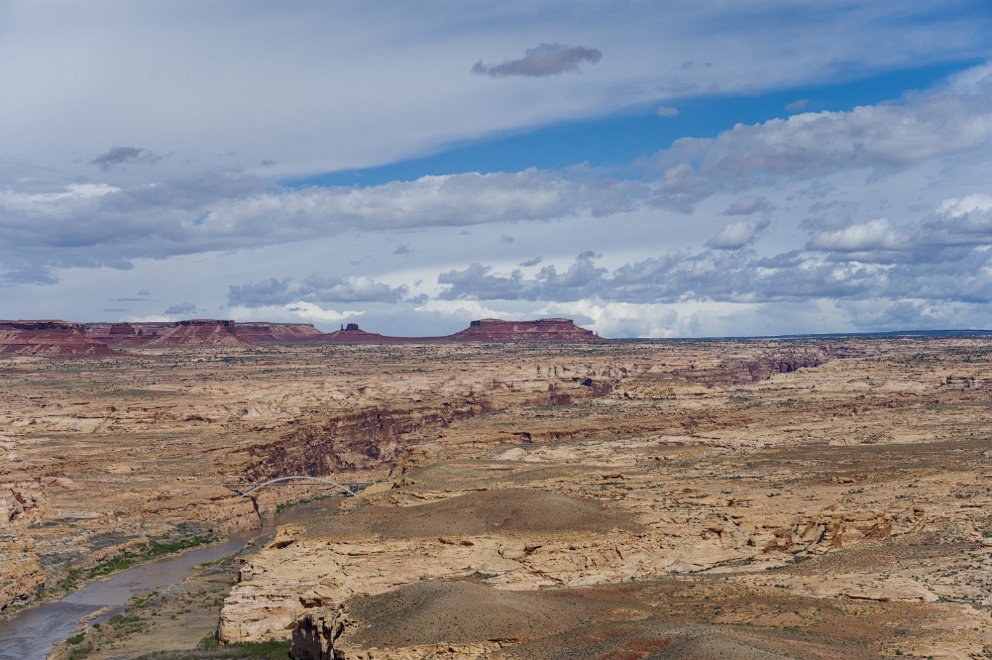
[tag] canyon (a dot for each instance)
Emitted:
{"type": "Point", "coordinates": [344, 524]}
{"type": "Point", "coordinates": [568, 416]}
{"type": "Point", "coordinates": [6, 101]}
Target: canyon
{"type": "Point", "coordinates": [812, 497]}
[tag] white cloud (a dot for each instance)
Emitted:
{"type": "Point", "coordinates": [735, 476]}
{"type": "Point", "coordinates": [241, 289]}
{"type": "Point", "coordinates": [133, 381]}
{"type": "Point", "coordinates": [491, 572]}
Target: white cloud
{"type": "Point", "coordinates": [875, 235]}
{"type": "Point", "coordinates": [958, 207]}
{"type": "Point", "coordinates": [314, 289]}
{"type": "Point", "coordinates": [882, 139]}
{"type": "Point", "coordinates": [100, 224]}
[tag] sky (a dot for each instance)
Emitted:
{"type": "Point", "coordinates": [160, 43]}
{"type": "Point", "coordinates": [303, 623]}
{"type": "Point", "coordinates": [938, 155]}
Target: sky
{"type": "Point", "coordinates": [678, 169]}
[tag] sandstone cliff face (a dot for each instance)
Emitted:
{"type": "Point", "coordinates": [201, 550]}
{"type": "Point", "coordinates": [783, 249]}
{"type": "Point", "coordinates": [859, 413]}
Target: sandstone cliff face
{"type": "Point", "coordinates": [21, 573]}
{"type": "Point", "coordinates": [315, 633]}
{"type": "Point", "coordinates": [372, 440]}
{"type": "Point", "coordinates": [49, 339]}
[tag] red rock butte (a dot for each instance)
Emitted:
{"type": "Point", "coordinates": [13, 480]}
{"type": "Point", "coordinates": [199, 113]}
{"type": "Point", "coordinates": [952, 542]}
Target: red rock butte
{"type": "Point", "coordinates": [352, 334]}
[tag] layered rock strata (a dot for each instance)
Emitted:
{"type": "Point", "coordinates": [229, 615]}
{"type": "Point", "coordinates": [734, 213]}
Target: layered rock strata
{"type": "Point", "coordinates": [56, 339]}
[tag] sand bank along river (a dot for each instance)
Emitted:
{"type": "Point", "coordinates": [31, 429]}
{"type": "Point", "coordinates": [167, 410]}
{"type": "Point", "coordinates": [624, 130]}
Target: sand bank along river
{"type": "Point", "coordinates": [33, 633]}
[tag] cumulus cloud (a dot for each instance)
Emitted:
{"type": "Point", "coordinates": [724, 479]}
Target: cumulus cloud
{"type": "Point", "coordinates": [119, 156]}
{"type": "Point", "coordinates": [965, 221]}
{"type": "Point", "coordinates": [736, 235]}
{"type": "Point", "coordinates": [101, 224]}
{"type": "Point", "coordinates": [882, 139]}
{"type": "Point", "coordinates": [547, 59]}
{"type": "Point", "coordinates": [480, 282]}
{"type": "Point", "coordinates": [845, 265]}
{"type": "Point", "coordinates": [875, 235]}
{"type": "Point", "coordinates": [957, 207]}
{"type": "Point", "coordinates": [314, 289]}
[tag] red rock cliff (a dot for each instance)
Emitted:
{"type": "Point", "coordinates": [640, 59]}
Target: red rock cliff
{"type": "Point", "coordinates": [49, 338]}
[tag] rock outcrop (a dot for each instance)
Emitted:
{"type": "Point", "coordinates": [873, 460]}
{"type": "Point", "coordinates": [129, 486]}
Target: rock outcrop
{"type": "Point", "coordinates": [316, 631]}
{"type": "Point", "coordinates": [49, 338]}
{"type": "Point", "coordinates": [21, 574]}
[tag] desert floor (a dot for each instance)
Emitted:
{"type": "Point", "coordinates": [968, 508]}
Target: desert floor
{"type": "Point", "coordinates": [814, 498]}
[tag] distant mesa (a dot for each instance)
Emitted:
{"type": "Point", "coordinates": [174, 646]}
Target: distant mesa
{"type": "Point", "coordinates": [275, 333]}
{"type": "Point", "coordinates": [484, 330]}
{"type": "Point", "coordinates": [66, 339]}
{"type": "Point", "coordinates": [49, 339]}
{"type": "Point", "coordinates": [553, 329]}
{"type": "Point", "coordinates": [199, 332]}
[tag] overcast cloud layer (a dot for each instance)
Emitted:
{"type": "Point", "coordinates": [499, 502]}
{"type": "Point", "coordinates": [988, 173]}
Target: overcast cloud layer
{"type": "Point", "coordinates": [145, 152]}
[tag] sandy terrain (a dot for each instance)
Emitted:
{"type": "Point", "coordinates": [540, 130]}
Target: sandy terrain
{"type": "Point", "coordinates": [810, 498]}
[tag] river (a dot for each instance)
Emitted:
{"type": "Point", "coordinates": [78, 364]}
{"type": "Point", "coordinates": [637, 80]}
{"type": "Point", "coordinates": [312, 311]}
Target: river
{"type": "Point", "coordinates": [32, 633]}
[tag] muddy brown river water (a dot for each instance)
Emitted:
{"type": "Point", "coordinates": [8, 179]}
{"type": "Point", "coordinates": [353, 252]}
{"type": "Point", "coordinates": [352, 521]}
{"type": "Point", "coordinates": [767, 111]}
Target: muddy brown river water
{"type": "Point", "coordinates": [33, 633]}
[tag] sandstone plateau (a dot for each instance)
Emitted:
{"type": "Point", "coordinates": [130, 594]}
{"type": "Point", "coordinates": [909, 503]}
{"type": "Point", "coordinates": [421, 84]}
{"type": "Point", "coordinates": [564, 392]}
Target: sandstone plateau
{"type": "Point", "coordinates": [814, 498]}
